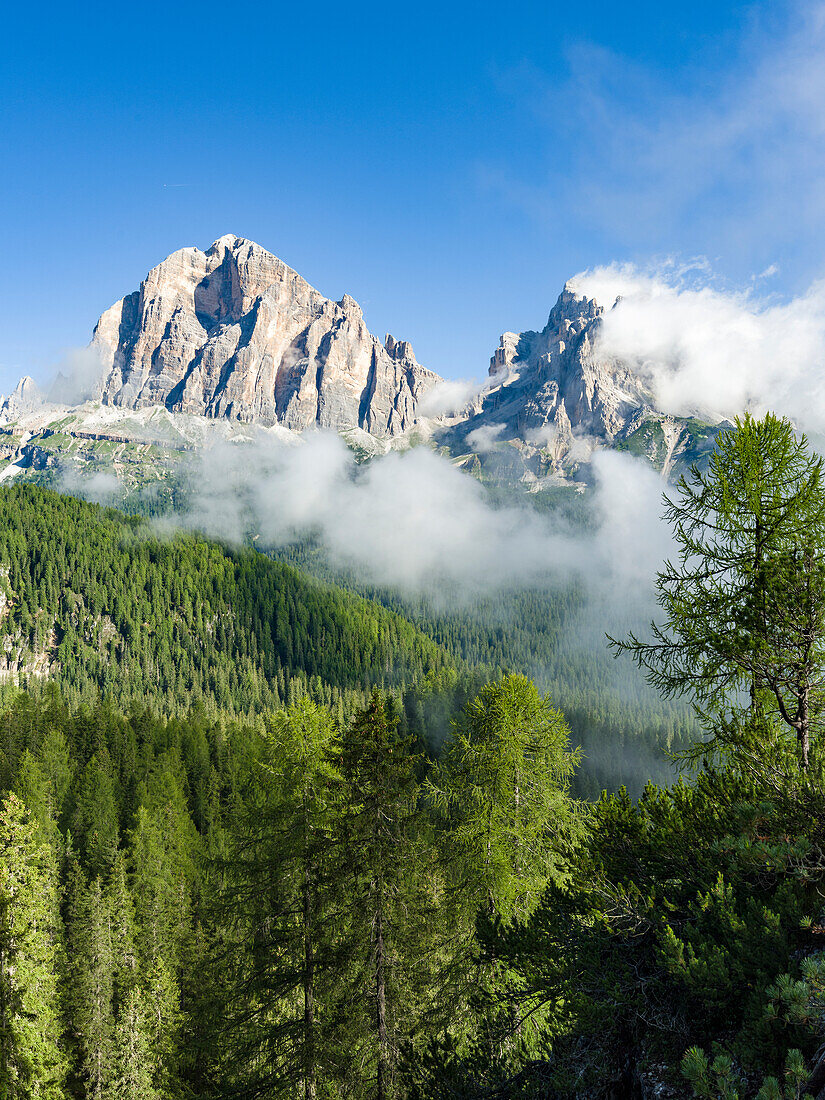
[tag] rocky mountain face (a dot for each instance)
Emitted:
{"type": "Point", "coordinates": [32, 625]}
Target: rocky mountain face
{"type": "Point", "coordinates": [547, 386]}
{"type": "Point", "coordinates": [555, 397]}
{"type": "Point", "coordinates": [231, 340]}
{"type": "Point", "coordinates": [233, 332]}
{"type": "Point", "coordinates": [24, 397]}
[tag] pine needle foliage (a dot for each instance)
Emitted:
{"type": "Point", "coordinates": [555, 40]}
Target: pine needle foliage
{"type": "Point", "coordinates": [744, 600]}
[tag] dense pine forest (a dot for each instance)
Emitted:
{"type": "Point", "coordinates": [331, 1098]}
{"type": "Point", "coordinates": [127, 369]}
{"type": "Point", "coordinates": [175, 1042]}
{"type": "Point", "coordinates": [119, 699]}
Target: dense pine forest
{"type": "Point", "coordinates": [262, 837]}
{"type": "Point", "coordinates": [110, 605]}
{"type": "Point", "coordinates": [105, 606]}
{"type": "Point", "coordinates": [555, 635]}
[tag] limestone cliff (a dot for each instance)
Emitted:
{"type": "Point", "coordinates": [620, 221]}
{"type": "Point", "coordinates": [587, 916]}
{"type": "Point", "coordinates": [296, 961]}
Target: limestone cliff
{"type": "Point", "coordinates": [233, 332]}
{"type": "Point", "coordinates": [555, 396]}
{"type": "Point", "coordinates": [552, 383]}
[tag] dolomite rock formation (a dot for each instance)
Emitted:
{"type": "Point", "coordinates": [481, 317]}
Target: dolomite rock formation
{"type": "Point", "coordinates": [24, 397]}
{"type": "Point", "coordinates": [555, 389]}
{"type": "Point", "coordinates": [233, 332]}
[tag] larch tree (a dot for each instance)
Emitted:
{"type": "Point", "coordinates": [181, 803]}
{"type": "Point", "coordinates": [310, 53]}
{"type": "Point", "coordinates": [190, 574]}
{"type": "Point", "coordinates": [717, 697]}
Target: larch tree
{"type": "Point", "coordinates": [744, 630]}
{"type": "Point", "coordinates": [504, 785]}
{"type": "Point", "coordinates": [282, 894]}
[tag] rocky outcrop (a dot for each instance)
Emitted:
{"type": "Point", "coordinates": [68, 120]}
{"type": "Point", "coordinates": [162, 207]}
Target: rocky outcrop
{"type": "Point", "coordinates": [554, 397]}
{"type": "Point", "coordinates": [233, 332]}
{"type": "Point", "coordinates": [552, 386]}
{"type": "Point", "coordinates": [24, 397]}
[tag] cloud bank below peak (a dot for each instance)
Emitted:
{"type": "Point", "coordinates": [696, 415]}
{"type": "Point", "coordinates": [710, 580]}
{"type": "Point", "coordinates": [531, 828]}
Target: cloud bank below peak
{"type": "Point", "coordinates": [413, 521]}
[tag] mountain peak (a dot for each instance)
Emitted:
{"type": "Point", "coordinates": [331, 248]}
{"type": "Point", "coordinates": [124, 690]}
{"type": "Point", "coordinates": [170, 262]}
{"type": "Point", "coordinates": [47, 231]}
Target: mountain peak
{"type": "Point", "coordinates": [25, 396]}
{"type": "Point", "coordinates": [229, 240]}
{"type": "Point", "coordinates": [573, 308]}
{"type": "Point", "coordinates": [234, 332]}
{"type": "Point", "coordinates": [26, 387]}
{"type": "Point", "coordinates": [553, 389]}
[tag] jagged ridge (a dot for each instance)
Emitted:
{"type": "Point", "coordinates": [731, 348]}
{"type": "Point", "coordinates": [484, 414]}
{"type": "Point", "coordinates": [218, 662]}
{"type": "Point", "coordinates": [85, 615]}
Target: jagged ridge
{"type": "Point", "coordinates": [555, 396]}
{"type": "Point", "coordinates": [233, 332]}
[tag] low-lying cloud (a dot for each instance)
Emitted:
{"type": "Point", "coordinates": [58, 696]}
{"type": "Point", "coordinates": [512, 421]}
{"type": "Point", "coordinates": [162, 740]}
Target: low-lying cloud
{"type": "Point", "coordinates": [484, 439]}
{"type": "Point", "coordinates": [451, 397]}
{"type": "Point", "coordinates": [448, 398]}
{"type": "Point", "coordinates": [413, 521]}
{"type": "Point", "coordinates": [710, 351]}
{"type": "Point", "coordinates": [77, 378]}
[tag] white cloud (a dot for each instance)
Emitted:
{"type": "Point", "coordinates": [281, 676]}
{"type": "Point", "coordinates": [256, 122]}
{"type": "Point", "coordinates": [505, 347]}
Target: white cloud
{"type": "Point", "coordinates": [545, 436]}
{"type": "Point", "coordinates": [99, 486]}
{"type": "Point", "coordinates": [77, 377]}
{"type": "Point", "coordinates": [448, 398]}
{"type": "Point", "coordinates": [574, 447]}
{"type": "Point", "coordinates": [485, 438]}
{"type": "Point", "coordinates": [414, 521]}
{"type": "Point", "coordinates": [711, 351]}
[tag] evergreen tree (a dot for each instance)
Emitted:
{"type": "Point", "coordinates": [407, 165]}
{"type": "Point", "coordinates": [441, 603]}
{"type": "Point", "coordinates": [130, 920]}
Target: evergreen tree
{"type": "Point", "coordinates": [163, 873]}
{"type": "Point", "coordinates": [161, 1021]}
{"type": "Point", "coordinates": [133, 1052]}
{"type": "Point", "coordinates": [743, 601]}
{"type": "Point", "coordinates": [285, 1001]}
{"type": "Point", "coordinates": [94, 820]}
{"type": "Point", "coordinates": [31, 1062]}
{"type": "Point", "coordinates": [118, 900]}
{"type": "Point", "coordinates": [384, 890]}
{"type": "Point", "coordinates": [93, 969]}
{"type": "Point", "coordinates": [504, 782]}
{"type": "Point", "coordinates": [507, 829]}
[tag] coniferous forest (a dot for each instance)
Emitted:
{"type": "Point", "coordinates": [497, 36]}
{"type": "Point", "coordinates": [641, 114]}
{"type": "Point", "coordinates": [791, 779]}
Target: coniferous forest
{"type": "Point", "coordinates": [261, 836]}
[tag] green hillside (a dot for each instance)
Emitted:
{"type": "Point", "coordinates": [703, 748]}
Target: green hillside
{"type": "Point", "coordinates": [103, 603]}
{"type": "Point", "coordinates": [557, 637]}
{"type": "Point", "coordinates": [117, 609]}
{"type": "Point", "coordinates": [307, 906]}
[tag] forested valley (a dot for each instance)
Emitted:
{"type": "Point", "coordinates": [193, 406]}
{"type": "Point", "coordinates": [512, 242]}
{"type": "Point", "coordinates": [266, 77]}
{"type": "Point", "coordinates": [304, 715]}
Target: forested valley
{"type": "Point", "coordinates": [261, 836]}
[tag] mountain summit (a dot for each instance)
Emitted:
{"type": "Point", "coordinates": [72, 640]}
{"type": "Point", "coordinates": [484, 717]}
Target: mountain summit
{"type": "Point", "coordinates": [233, 332]}
{"type": "Point", "coordinates": [229, 342]}
{"type": "Point", "coordinates": [558, 379]}
{"type": "Point", "coordinates": [555, 396]}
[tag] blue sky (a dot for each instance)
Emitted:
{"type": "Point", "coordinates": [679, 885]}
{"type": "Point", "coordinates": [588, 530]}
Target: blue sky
{"type": "Point", "coordinates": [448, 165]}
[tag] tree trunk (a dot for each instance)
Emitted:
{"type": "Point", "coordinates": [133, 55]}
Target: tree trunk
{"type": "Point", "coordinates": [381, 999]}
{"type": "Point", "coordinates": [804, 726]}
{"type": "Point", "coordinates": [309, 991]}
